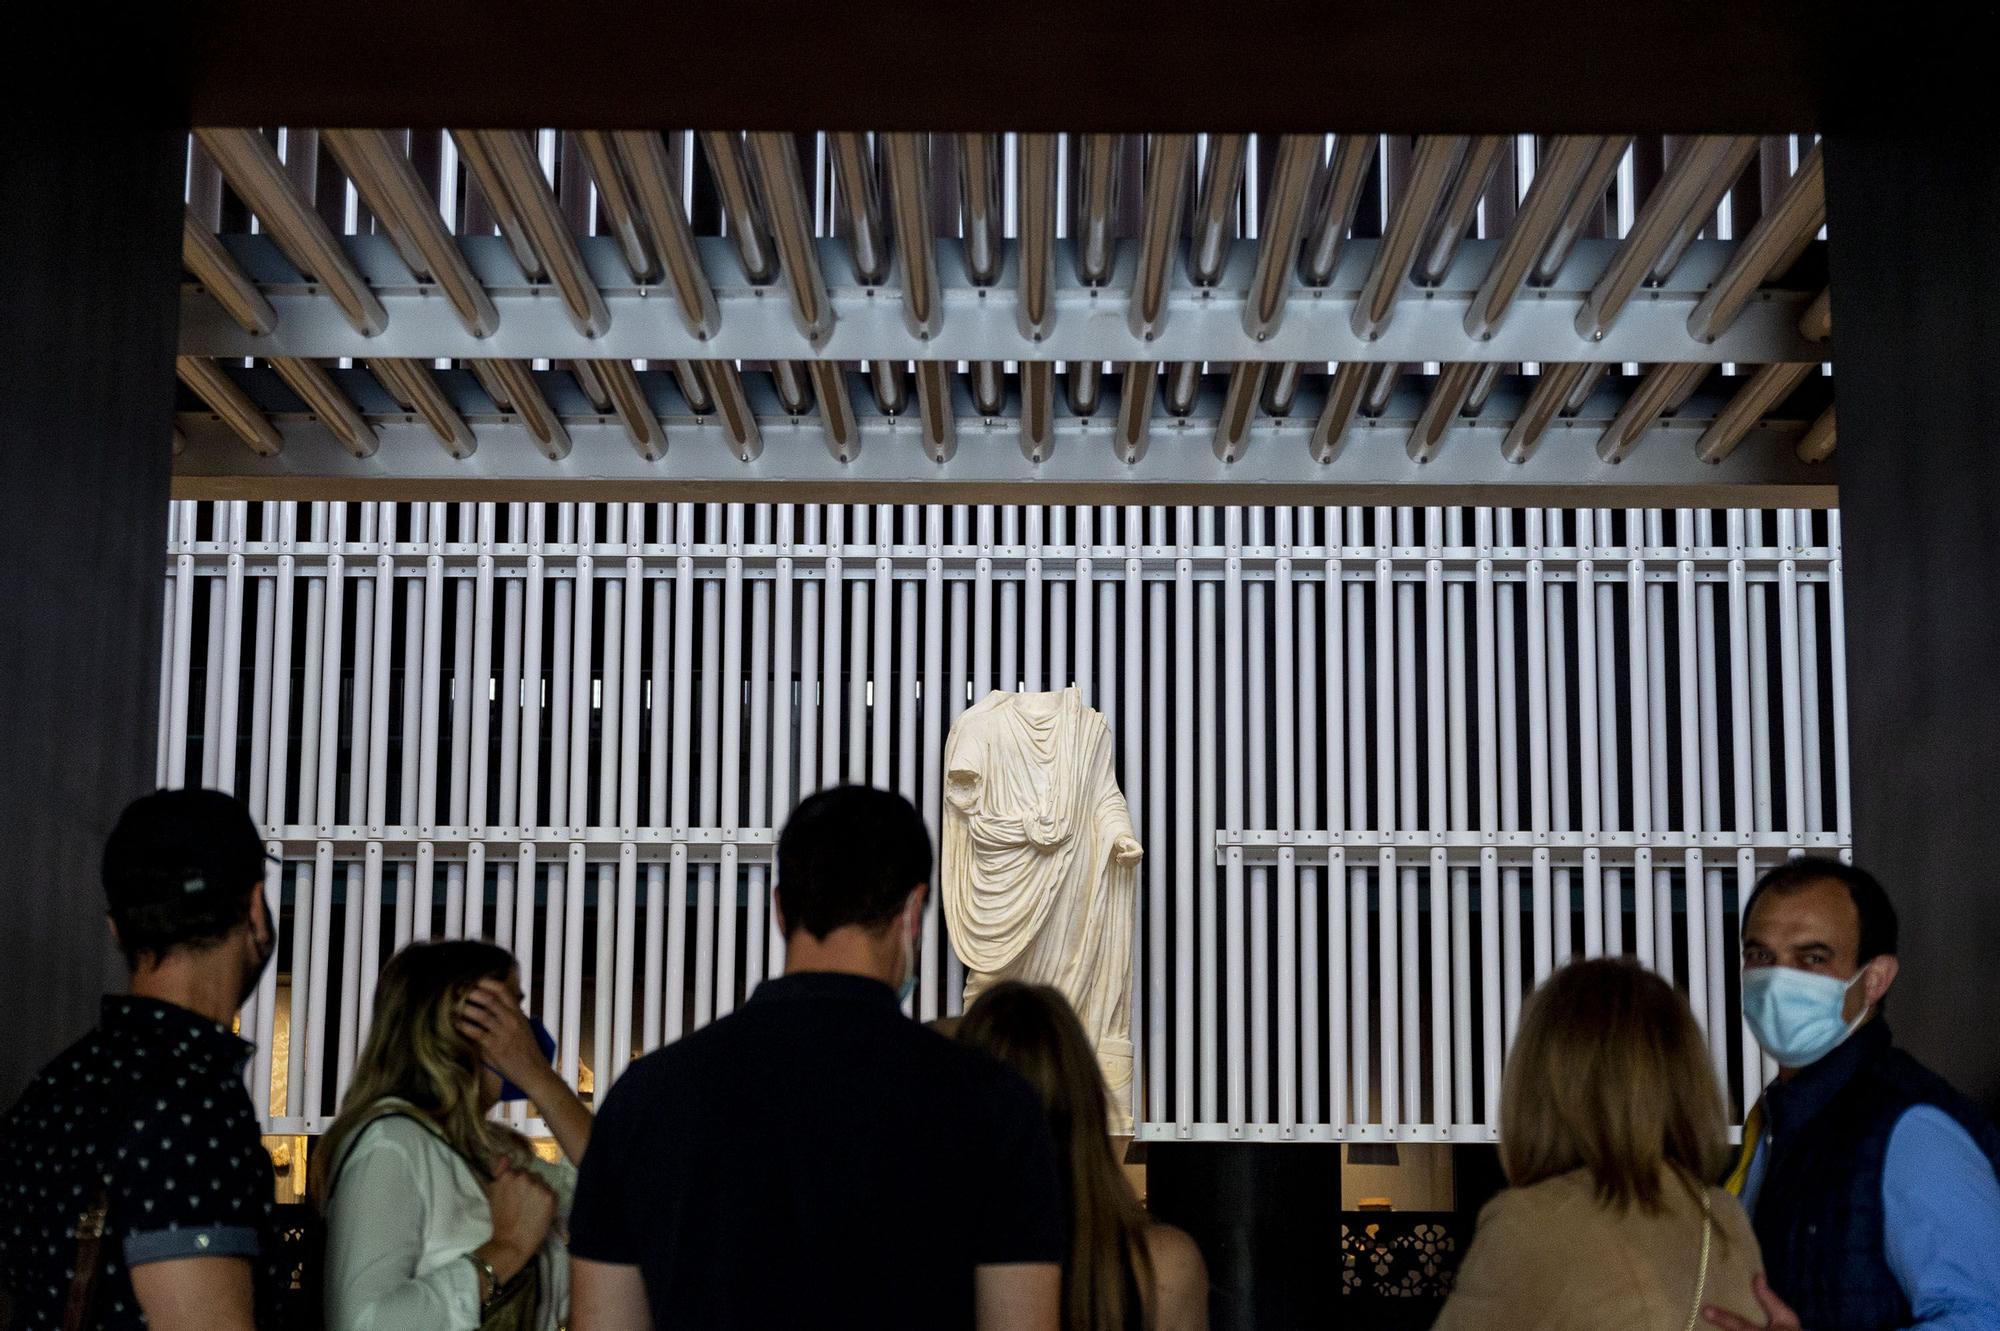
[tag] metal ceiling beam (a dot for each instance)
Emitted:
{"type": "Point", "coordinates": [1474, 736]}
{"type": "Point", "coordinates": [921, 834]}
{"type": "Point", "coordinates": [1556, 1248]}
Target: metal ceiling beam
{"type": "Point", "coordinates": [916, 245]}
{"type": "Point", "coordinates": [1768, 387]}
{"type": "Point", "coordinates": [889, 463]}
{"type": "Point", "coordinates": [411, 384]}
{"type": "Point", "coordinates": [203, 255]}
{"type": "Point", "coordinates": [1159, 237]}
{"type": "Point", "coordinates": [658, 197]}
{"type": "Point", "coordinates": [388, 184]}
{"type": "Point", "coordinates": [1035, 214]}
{"type": "Point", "coordinates": [1429, 325]}
{"type": "Point", "coordinates": [253, 170]}
{"type": "Point", "coordinates": [1430, 174]}
{"type": "Point", "coordinates": [619, 200]}
{"type": "Point", "coordinates": [1293, 176]}
{"type": "Point", "coordinates": [505, 164]}
{"type": "Point", "coordinates": [243, 417]}
{"type": "Point", "coordinates": [512, 386]}
{"type": "Point", "coordinates": [1655, 232]}
{"type": "Point", "coordinates": [315, 386]}
{"type": "Point", "coordinates": [1772, 246]}
{"type": "Point", "coordinates": [786, 209]}
{"type": "Point", "coordinates": [1664, 387]}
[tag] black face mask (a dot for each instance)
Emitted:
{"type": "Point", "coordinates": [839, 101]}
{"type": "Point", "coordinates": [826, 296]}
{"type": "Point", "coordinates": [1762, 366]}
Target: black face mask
{"type": "Point", "coordinates": [267, 947]}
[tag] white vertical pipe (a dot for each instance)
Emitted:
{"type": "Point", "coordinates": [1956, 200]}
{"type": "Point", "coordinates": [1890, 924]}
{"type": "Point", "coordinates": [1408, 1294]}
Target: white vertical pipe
{"type": "Point", "coordinates": [859, 662]}
{"type": "Point", "coordinates": [211, 665]}
{"type": "Point", "coordinates": [1489, 812]}
{"type": "Point", "coordinates": [1714, 944]}
{"type": "Point", "coordinates": [427, 751]}
{"type": "Point", "coordinates": [413, 659]}
{"type": "Point", "coordinates": [227, 687]}
{"type": "Point", "coordinates": [1510, 782]}
{"type": "Point", "coordinates": [678, 811]}
{"type": "Point", "coordinates": [1082, 672]}
{"type": "Point", "coordinates": [1556, 662]}
{"type": "Point", "coordinates": [1536, 629]}
{"type": "Point", "coordinates": [781, 719]}
{"type": "Point", "coordinates": [957, 687]}
{"type": "Point", "coordinates": [1337, 738]}
{"type": "Point", "coordinates": [882, 675]}
{"type": "Point", "coordinates": [170, 632]}
{"type": "Point", "coordinates": [1236, 1048]}
{"type": "Point", "coordinates": [1437, 807]}
{"type": "Point", "coordinates": [479, 741]}
{"type": "Point", "coordinates": [1588, 738]}
{"type": "Point", "coordinates": [1188, 839]}
{"type": "Point", "coordinates": [1284, 735]}
{"type": "Point", "coordinates": [1760, 688]}
{"type": "Point", "coordinates": [1133, 760]}
{"type": "Point", "coordinates": [763, 758]}
{"type": "Point", "coordinates": [1397, 887]}
{"type": "Point", "coordinates": [1210, 993]}
{"type": "Point", "coordinates": [625, 982]}
{"type": "Point", "coordinates": [1158, 860]}
{"type": "Point", "coordinates": [1607, 751]}
{"type": "Point", "coordinates": [1647, 711]}
{"type": "Point", "coordinates": [1360, 994]}
{"type": "Point", "coordinates": [832, 637]}
{"type": "Point", "coordinates": [1310, 741]}
{"type": "Point", "coordinates": [555, 909]}
{"type": "Point", "coordinates": [1032, 649]}
{"type": "Point", "coordinates": [708, 795]}
{"type": "Point", "coordinates": [810, 594]}
{"type": "Point", "coordinates": [932, 702]}
{"type": "Point", "coordinates": [360, 906]}
{"type": "Point", "coordinates": [1257, 729]}
{"type": "Point", "coordinates": [1059, 674]}
{"type": "Point", "coordinates": [462, 689]}
{"type": "Point", "coordinates": [906, 680]}
{"type": "Point", "coordinates": [1694, 889]}
{"type": "Point", "coordinates": [730, 803]}
{"type": "Point", "coordinates": [1456, 658]}
{"type": "Point", "coordinates": [583, 693]}
{"type": "Point", "coordinates": [659, 709]}
{"type": "Point", "coordinates": [1010, 605]}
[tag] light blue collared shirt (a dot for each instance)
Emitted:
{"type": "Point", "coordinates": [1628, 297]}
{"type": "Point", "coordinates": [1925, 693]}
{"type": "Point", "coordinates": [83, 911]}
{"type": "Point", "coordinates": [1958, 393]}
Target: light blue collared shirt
{"type": "Point", "coordinates": [1940, 1220]}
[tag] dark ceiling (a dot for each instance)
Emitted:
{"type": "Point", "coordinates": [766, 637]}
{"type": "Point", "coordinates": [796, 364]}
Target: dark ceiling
{"type": "Point", "coordinates": [1489, 65]}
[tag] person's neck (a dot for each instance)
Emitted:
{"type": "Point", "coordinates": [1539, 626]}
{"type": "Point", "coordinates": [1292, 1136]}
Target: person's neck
{"type": "Point", "coordinates": [848, 950]}
{"type": "Point", "coordinates": [197, 983]}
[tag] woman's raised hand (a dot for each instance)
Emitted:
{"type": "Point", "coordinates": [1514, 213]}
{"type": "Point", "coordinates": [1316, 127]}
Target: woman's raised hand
{"type": "Point", "coordinates": [497, 1027]}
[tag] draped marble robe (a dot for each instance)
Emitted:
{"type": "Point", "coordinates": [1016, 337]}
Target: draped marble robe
{"type": "Point", "coordinates": [1040, 869]}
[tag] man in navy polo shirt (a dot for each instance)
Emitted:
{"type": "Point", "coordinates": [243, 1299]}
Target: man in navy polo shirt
{"type": "Point", "coordinates": [1873, 1185]}
{"type": "Point", "coordinates": [817, 1158]}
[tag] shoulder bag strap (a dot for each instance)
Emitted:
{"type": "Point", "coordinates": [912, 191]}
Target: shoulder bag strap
{"type": "Point", "coordinates": [1701, 1280]}
{"type": "Point", "coordinates": [80, 1302]}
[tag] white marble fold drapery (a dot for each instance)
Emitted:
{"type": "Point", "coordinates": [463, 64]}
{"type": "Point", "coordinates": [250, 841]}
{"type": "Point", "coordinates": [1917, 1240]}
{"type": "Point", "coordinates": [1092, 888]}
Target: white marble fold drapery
{"type": "Point", "coordinates": [1040, 866]}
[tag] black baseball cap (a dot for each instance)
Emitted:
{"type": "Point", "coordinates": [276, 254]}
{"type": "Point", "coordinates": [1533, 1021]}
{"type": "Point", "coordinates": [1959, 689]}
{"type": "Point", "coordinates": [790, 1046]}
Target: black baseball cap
{"type": "Point", "coordinates": [174, 844]}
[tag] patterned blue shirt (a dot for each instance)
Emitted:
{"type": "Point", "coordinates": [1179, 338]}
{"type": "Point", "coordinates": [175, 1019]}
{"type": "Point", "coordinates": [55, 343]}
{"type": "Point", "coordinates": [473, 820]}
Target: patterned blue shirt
{"type": "Point", "coordinates": [152, 1100]}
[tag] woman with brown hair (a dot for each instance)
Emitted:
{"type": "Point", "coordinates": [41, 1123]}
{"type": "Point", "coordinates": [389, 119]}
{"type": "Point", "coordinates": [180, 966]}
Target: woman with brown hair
{"type": "Point", "coordinates": [1611, 1130]}
{"type": "Point", "coordinates": [1124, 1272]}
{"type": "Point", "coordinates": [437, 1217]}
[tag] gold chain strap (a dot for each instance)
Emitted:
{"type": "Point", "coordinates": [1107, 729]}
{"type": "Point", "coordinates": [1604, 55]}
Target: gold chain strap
{"type": "Point", "coordinates": [1701, 1280]}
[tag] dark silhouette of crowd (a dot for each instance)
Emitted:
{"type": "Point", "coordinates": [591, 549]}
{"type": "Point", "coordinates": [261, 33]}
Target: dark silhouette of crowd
{"type": "Point", "coordinates": [816, 1158]}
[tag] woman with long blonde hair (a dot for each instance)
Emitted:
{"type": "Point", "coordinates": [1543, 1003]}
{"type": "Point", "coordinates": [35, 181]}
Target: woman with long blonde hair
{"type": "Point", "coordinates": [1124, 1271]}
{"type": "Point", "coordinates": [1611, 1135]}
{"type": "Point", "coordinates": [439, 1218]}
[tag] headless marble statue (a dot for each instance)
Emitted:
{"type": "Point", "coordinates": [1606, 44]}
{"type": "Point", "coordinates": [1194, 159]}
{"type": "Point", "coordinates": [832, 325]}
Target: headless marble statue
{"type": "Point", "coordinates": [1040, 869]}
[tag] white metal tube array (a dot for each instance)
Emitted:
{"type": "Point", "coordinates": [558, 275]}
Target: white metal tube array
{"type": "Point", "coordinates": [1390, 766]}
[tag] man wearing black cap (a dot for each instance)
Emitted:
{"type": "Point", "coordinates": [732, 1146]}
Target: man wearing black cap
{"type": "Point", "coordinates": [134, 1187]}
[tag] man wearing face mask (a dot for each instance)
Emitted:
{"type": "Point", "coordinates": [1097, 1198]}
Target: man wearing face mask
{"type": "Point", "coordinates": [134, 1186]}
{"type": "Point", "coordinates": [1873, 1185]}
{"type": "Point", "coordinates": [817, 1158]}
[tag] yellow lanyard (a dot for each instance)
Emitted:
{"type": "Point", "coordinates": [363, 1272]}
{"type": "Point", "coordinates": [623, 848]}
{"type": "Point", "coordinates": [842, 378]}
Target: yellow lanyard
{"type": "Point", "coordinates": [1753, 1132]}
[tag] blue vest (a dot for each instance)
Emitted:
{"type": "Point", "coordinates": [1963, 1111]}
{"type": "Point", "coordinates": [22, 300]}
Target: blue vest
{"type": "Point", "coordinates": [1819, 1213]}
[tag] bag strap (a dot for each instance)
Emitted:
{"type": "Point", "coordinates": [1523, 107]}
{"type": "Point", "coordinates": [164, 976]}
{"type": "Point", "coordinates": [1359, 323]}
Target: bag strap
{"type": "Point", "coordinates": [1701, 1280]}
{"type": "Point", "coordinates": [80, 1302]}
{"type": "Point", "coordinates": [375, 1113]}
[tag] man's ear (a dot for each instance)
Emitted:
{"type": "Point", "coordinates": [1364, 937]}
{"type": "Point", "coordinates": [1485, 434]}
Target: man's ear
{"type": "Point", "coordinates": [778, 913]}
{"type": "Point", "coordinates": [1881, 974]}
{"type": "Point", "coordinates": [112, 925]}
{"type": "Point", "coordinates": [919, 894]}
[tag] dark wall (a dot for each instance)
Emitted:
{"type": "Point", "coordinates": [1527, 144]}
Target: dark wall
{"type": "Point", "coordinates": [89, 290]}
{"type": "Point", "coordinates": [1916, 314]}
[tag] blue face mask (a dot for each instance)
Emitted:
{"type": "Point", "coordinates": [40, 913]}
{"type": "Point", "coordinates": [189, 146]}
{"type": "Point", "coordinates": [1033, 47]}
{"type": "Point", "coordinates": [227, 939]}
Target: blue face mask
{"type": "Point", "coordinates": [1796, 1015]}
{"type": "Point", "coordinates": [543, 1040]}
